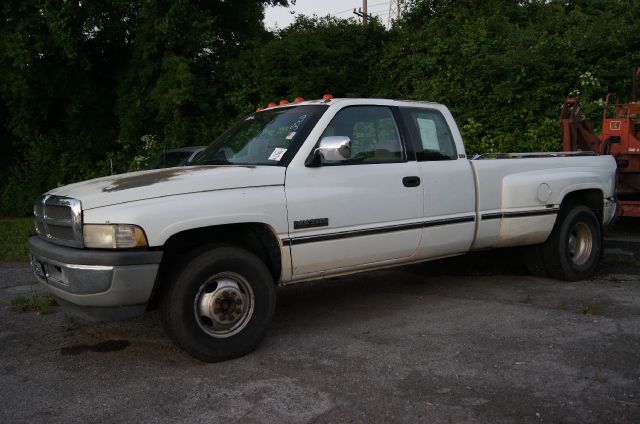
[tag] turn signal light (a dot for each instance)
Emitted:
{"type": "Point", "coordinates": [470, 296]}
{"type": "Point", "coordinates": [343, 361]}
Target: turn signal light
{"type": "Point", "coordinates": [284, 102]}
{"type": "Point", "coordinates": [271, 105]}
{"type": "Point", "coordinates": [327, 97]}
{"type": "Point", "coordinates": [298, 100]}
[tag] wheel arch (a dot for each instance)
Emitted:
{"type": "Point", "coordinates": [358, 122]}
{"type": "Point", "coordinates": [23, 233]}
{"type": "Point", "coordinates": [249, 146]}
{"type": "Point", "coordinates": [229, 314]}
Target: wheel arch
{"type": "Point", "coordinates": [255, 237]}
{"type": "Point", "coordinates": [590, 197]}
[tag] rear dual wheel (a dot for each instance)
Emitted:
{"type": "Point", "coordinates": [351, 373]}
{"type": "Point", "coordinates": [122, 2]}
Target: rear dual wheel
{"type": "Point", "coordinates": [573, 249]}
{"type": "Point", "coordinates": [220, 304]}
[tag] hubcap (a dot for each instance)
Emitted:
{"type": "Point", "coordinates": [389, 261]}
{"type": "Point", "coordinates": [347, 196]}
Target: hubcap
{"type": "Point", "coordinates": [580, 244]}
{"type": "Point", "coordinates": [224, 304]}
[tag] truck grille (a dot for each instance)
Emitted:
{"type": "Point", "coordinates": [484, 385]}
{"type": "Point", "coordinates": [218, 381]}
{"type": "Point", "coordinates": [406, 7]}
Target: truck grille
{"type": "Point", "coordinates": [59, 220]}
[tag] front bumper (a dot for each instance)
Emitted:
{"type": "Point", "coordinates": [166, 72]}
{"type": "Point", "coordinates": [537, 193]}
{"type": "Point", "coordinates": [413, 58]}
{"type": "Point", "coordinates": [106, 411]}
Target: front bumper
{"type": "Point", "coordinates": [98, 285]}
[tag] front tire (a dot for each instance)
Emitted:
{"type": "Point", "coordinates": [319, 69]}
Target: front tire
{"type": "Point", "coordinates": [220, 304]}
{"type": "Point", "coordinates": [573, 250]}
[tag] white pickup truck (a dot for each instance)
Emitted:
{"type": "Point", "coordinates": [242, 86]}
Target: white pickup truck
{"type": "Point", "coordinates": [306, 191]}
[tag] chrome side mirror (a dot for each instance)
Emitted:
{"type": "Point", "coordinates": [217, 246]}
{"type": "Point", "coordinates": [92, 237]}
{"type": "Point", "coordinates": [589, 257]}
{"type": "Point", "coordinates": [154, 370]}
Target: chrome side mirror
{"type": "Point", "coordinates": [334, 148]}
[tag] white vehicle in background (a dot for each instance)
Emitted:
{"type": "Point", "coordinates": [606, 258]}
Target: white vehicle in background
{"type": "Point", "coordinates": [301, 192]}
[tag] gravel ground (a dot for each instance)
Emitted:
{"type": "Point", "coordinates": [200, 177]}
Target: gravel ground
{"type": "Point", "coordinates": [472, 339]}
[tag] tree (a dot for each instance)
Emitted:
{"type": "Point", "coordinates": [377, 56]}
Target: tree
{"type": "Point", "coordinates": [82, 82]}
{"type": "Point", "coordinates": [311, 57]}
{"type": "Point", "coordinates": [504, 67]}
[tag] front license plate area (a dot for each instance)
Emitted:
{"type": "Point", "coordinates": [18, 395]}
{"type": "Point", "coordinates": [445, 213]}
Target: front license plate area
{"type": "Point", "coordinates": [37, 267]}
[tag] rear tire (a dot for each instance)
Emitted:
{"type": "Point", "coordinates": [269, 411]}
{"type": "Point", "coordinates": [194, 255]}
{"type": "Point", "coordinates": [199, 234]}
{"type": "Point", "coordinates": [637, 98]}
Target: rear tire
{"type": "Point", "coordinates": [574, 248]}
{"type": "Point", "coordinates": [220, 304]}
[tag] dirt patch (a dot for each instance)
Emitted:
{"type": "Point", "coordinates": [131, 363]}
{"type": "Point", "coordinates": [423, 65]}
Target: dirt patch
{"type": "Point", "coordinates": [144, 179]}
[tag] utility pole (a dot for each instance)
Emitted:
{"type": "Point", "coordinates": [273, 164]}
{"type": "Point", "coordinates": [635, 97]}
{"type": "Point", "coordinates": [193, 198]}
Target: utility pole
{"type": "Point", "coordinates": [395, 8]}
{"type": "Point", "coordinates": [362, 12]}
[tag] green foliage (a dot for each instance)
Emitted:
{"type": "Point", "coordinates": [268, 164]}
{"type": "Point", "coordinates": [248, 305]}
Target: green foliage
{"type": "Point", "coordinates": [504, 67]}
{"type": "Point", "coordinates": [593, 308]}
{"type": "Point", "coordinates": [311, 57]}
{"type": "Point", "coordinates": [13, 238]}
{"type": "Point", "coordinates": [81, 83]}
{"type": "Point", "coordinates": [90, 86]}
{"type": "Point", "coordinates": [41, 303]}
{"type": "Point", "coordinates": [47, 162]}
{"type": "Point", "coordinates": [69, 322]}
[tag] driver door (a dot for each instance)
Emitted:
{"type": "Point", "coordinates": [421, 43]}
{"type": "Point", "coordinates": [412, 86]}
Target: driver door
{"type": "Point", "coordinates": [363, 211]}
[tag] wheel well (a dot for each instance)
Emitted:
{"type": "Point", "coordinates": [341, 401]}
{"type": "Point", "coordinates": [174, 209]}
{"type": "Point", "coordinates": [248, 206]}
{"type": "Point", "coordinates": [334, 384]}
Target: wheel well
{"type": "Point", "coordinates": [257, 238]}
{"type": "Point", "coordinates": [592, 198]}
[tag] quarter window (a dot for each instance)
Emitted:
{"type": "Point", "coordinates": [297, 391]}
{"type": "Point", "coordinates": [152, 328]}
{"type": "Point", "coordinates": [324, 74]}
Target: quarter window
{"type": "Point", "coordinates": [432, 134]}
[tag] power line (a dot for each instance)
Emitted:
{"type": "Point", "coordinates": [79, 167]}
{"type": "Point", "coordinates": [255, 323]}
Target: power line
{"type": "Point", "coordinates": [351, 9]}
{"type": "Point", "coordinates": [362, 12]}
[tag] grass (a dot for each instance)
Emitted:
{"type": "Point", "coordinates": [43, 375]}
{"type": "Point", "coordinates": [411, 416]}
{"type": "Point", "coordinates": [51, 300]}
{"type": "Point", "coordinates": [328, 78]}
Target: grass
{"type": "Point", "coordinates": [14, 233]}
{"type": "Point", "coordinates": [600, 377]}
{"type": "Point", "coordinates": [69, 322]}
{"type": "Point", "coordinates": [527, 299]}
{"type": "Point", "coordinates": [561, 305]}
{"type": "Point", "coordinates": [42, 303]}
{"type": "Point", "coordinates": [593, 308]}
{"type": "Point", "coordinates": [622, 260]}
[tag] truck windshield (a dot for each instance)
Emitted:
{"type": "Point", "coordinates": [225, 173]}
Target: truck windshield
{"type": "Point", "coordinates": [269, 137]}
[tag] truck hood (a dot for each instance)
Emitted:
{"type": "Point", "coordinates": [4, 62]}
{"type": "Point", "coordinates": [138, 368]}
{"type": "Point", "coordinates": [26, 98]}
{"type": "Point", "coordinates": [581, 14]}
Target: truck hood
{"type": "Point", "coordinates": [143, 185]}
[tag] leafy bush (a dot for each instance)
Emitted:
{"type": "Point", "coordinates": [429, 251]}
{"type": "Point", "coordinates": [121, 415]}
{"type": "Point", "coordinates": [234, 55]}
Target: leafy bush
{"type": "Point", "coordinates": [87, 87]}
{"type": "Point", "coordinates": [13, 238]}
{"type": "Point", "coordinates": [48, 162]}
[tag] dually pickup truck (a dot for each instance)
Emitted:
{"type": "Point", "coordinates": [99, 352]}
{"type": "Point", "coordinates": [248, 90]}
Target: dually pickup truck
{"type": "Point", "coordinates": [306, 191]}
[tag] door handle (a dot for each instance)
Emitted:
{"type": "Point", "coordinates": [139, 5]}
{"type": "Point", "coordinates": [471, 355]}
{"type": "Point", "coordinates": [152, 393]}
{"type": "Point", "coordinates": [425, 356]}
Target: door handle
{"type": "Point", "coordinates": [411, 181]}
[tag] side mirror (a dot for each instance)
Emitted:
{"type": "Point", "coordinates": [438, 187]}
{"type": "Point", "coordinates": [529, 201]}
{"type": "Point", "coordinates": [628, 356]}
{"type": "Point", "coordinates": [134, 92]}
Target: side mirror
{"type": "Point", "coordinates": [333, 148]}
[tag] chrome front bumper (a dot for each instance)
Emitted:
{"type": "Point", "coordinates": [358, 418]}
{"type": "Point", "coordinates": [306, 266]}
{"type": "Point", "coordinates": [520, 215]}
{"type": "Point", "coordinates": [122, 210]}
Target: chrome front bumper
{"type": "Point", "coordinates": [96, 284]}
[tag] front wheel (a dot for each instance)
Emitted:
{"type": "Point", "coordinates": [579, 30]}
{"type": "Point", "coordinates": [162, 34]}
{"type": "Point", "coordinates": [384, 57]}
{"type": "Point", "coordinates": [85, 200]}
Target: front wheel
{"type": "Point", "coordinates": [573, 250]}
{"type": "Point", "coordinates": [220, 304]}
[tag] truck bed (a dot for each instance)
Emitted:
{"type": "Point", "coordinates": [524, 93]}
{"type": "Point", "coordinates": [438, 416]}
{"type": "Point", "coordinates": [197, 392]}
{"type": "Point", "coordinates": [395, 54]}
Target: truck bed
{"type": "Point", "coordinates": [519, 194]}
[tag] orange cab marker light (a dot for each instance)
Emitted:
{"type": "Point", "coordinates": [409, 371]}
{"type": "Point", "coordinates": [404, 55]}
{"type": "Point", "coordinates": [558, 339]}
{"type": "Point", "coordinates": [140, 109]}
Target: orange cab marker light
{"type": "Point", "coordinates": [284, 102]}
{"type": "Point", "coordinates": [298, 100]}
{"type": "Point", "coordinates": [327, 97]}
{"type": "Point", "coordinates": [259, 109]}
{"type": "Point", "coordinates": [271, 105]}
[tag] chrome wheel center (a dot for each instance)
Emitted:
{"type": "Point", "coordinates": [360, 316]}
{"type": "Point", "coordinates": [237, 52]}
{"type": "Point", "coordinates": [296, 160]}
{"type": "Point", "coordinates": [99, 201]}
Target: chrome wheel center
{"type": "Point", "coordinates": [573, 242]}
{"type": "Point", "coordinates": [224, 304]}
{"type": "Point", "coordinates": [580, 243]}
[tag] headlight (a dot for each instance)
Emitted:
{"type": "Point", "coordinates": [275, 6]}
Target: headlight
{"type": "Point", "coordinates": [114, 236]}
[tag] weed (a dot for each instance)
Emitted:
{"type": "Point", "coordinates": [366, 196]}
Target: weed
{"type": "Point", "coordinates": [527, 299]}
{"type": "Point", "coordinates": [42, 303]}
{"type": "Point", "coordinates": [622, 260]}
{"type": "Point", "coordinates": [600, 377]}
{"type": "Point", "coordinates": [593, 308]}
{"type": "Point", "coordinates": [561, 305]}
{"type": "Point", "coordinates": [20, 304]}
{"type": "Point", "coordinates": [69, 322]}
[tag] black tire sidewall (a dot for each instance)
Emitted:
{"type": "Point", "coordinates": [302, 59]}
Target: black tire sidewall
{"type": "Point", "coordinates": [571, 270]}
{"type": "Point", "coordinates": [179, 305]}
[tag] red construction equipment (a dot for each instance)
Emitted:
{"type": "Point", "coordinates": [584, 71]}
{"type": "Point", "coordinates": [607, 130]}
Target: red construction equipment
{"type": "Point", "coordinates": [620, 137]}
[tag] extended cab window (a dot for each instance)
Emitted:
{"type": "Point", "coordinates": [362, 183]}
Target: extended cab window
{"type": "Point", "coordinates": [432, 134]}
{"type": "Point", "coordinates": [373, 133]}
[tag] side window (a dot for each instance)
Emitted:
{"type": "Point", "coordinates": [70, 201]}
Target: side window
{"type": "Point", "coordinates": [432, 134]}
{"type": "Point", "coordinates": [373, 133]}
